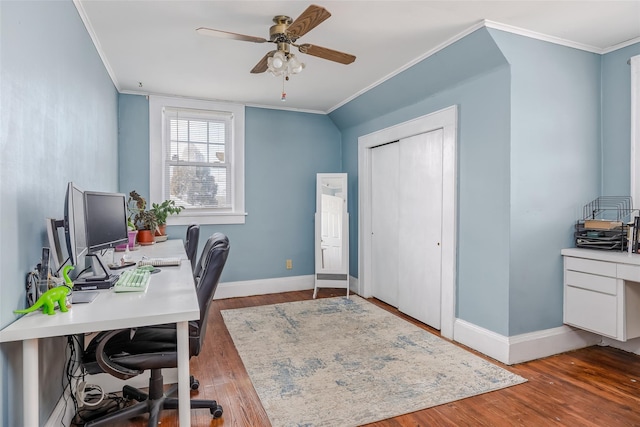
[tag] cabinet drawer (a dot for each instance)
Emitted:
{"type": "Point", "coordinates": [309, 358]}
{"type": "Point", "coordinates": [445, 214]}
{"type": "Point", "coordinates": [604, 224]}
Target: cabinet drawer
{"type": "Point", "coordinates": [629, 272]}
{"type": "Point", "coordinates": [602, 268]}
{"type": "Point", "coordinates": [591, 282]}
{"type": "Point", "coordinates": [593, 311]}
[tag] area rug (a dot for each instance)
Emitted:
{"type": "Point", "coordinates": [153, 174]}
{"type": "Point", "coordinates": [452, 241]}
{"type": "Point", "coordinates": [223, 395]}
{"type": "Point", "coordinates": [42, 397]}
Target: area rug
{"type": "Point", "coordinates": [338, 362]}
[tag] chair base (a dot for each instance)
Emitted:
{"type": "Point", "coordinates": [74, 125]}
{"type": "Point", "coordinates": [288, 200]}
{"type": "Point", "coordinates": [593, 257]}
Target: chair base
{"type": "Point", "coordinates": [153, 403]}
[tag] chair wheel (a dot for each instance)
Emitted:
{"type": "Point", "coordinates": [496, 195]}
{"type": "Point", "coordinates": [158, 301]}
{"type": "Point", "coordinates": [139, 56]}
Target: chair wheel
{"type": "Point", "coordinates": [194, 383]}
{"type": "Point", "coordinates": [216, 411]}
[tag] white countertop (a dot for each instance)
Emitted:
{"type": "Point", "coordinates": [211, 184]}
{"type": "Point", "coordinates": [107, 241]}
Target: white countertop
{"type": "Point", "coordinates": [600, 255]}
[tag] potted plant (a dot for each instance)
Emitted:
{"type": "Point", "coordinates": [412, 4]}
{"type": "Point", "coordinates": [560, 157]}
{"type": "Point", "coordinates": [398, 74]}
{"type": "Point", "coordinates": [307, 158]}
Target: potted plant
{"type": "Point", "coordinates": [162, 212]}
{"type": "Point", "coordinates": [144, 220]}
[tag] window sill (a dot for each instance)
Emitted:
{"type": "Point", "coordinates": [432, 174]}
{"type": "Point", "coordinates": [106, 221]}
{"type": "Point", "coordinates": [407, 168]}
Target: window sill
{"type": "Point", "coordinates": [207, 218]}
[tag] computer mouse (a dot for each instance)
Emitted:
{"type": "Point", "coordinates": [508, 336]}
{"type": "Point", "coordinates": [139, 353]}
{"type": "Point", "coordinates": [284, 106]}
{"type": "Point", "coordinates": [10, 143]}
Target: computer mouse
{"type": "Point", "coordinates": [155, 270]}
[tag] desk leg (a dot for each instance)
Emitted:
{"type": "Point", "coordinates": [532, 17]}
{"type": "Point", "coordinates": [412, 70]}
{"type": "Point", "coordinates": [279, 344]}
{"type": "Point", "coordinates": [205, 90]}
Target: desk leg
{"type": "Point", "coordinates": [30, 407]}
{"type": "Point", "coordinates": [184, 406]}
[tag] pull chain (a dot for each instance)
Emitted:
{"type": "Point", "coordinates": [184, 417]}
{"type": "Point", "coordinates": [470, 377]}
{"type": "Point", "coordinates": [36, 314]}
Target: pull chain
{"type": "Point", "coordinates": [283, 97]}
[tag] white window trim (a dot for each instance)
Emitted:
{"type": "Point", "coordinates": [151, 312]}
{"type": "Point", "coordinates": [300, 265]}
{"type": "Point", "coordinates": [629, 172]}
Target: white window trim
{"type": "Point", "coordinates": [157, 153]}
{"type": "Point", "coordinates": [635, 130]}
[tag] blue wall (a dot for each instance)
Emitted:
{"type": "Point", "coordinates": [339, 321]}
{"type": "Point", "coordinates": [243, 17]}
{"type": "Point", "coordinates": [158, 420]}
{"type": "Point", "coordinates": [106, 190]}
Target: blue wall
{"type": "Point", "coordinates": [616, 121]}
{"type": "Point", "coordinates": [542, 130]}
{"type": "Point", "coordinates": [59, 124]}
{"type": "Point", "coordinates": [528, 159]}
{"type": "Point", "coordinates": [555, 169]}
{"type": "Point", "coordinates": [283, 152]}
{"type": "Point", "coordinates": [483, 100]}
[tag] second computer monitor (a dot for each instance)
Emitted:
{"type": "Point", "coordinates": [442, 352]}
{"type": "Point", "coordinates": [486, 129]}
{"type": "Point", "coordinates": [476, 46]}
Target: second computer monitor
{"type": "Point", "coordinates": [105, 220]}
{"type": "Point", "coordinates": [74, 225]}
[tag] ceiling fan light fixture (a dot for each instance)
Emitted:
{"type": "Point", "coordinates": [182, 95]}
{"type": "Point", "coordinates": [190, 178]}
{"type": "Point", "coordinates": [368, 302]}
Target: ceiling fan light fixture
{"type": "Point", "coordinates": [277, 64]}
{"type": "Point", "coordinates": [294, 65]}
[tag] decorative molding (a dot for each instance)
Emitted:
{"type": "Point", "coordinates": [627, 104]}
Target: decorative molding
{"type": "Point", "coordinates": [524, 347]}
{"type": "Point", "coordinates": [96, 43]}
{"type": "Point", "coordinates": [540, 36]}
{"type": "Point", "coordinates": [632, 346]}
{"type": "Point", "coordinates": [410, 64]}
{"type": "Point", "coordinates": [271, 286]}
{"type": "Point", "coordinates": [441, 46]}
{"type": "Point", "coordinates": [263, 286]}
{"type": "Point", "coordinates": [488, 24]}
{"type": "Point", "coordinates": [620, 45]}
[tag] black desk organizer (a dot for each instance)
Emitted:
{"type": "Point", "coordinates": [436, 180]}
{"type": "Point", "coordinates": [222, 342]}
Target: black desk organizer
{"type": "Point", "coordinates": [608, 224]}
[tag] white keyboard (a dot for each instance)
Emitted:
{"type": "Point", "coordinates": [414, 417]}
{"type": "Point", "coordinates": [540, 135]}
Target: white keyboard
{"type": "Point", "coordinates": [160, 262]}
{"type": "Point", "coordinates": [133, 281]}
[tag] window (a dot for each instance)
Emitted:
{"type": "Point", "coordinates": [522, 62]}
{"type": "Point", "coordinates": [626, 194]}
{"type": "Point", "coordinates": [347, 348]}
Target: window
{"type": "Point", "coordinates": [197, 159]}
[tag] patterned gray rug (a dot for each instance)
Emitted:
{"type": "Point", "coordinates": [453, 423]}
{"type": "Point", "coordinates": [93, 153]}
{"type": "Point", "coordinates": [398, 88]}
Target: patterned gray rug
{"type": "Point", "coordinates": [346, 362]}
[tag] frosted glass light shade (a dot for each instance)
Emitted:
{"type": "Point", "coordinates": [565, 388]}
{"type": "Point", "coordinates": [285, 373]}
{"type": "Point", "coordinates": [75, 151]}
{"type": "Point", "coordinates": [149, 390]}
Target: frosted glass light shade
{"type": "Point", "coordinates": [295, 66]}
{"type": "Point", "coordinates": [277, 64]}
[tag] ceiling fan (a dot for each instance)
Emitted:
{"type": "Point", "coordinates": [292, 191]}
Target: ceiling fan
{"type": "Point", "coordinates": [284, 34]}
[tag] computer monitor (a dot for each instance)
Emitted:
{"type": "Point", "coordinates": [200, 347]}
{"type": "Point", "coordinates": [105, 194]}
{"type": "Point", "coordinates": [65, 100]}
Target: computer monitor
{"type": "Point", "coordinates": [74, 225]}
{"type": "Point", "coordinates": [58, 257]}
{"type": "Point", "coordinates": [105, 220]}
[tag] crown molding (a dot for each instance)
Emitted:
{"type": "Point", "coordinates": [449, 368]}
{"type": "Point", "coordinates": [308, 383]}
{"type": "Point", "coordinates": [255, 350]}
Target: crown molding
{"type": "Point", "coordinates": [96, 43]}
{"type": "Point", "coordinates": [541, 36]}
{"type": "Point", "coordinates": [411, 63]}
{"type": "Point", "coordinates": [621, 45]}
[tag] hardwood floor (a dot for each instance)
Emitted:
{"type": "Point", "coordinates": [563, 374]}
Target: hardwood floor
{"type": "Point", "coordinates": [596, 386]}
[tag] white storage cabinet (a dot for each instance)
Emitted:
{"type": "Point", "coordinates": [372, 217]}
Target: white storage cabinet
{"type": "Point", "coordinates": [602, 292]}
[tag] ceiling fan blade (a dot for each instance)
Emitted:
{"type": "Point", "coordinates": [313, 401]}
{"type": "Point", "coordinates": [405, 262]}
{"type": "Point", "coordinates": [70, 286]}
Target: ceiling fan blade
{"type": "Point", "coordinates": [227, 35]}
{"type": "Point", "coordinates": [325, 53]}
{"type": "Point", "coordinates": [307, 21]}
{"type": "Point", "coordinates": [262, 65]}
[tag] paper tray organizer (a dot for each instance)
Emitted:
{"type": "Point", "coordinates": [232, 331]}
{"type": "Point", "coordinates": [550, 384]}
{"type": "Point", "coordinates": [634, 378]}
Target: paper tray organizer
{"type": "Point", "coordinates": [608, 223]}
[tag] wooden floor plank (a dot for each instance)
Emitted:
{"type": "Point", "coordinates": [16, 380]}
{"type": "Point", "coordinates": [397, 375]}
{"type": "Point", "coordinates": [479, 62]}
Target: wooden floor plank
{"type": "Point", "coordinates": [591, 387]}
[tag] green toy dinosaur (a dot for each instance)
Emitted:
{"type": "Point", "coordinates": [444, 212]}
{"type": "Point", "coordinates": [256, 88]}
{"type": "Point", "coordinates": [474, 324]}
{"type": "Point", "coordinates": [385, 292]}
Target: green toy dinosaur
{"type": "Point", "coordinates": [48, 300]}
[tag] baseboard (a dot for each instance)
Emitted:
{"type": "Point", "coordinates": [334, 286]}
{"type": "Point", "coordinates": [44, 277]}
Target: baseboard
{"type": "Point", "coordinates": [63, 412]}
{"type": "Point", "coordinates": [270, 286]}
{"type": "Point", "coordinates": [524, 347]}
{"type": "Point", "coordinates": [632, 346]}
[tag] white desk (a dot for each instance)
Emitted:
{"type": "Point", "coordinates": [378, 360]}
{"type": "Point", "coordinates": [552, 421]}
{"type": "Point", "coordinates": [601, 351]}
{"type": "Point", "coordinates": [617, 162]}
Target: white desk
{"type": "Point", "coordinates": [170, 298]}
{"type": "Point", "coordinates": [602, 292]}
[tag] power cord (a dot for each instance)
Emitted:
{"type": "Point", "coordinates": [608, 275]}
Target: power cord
{"type": "Point", "coordinates": [89, 400]}
{"type": "Point", "coordinates": [89, 394]}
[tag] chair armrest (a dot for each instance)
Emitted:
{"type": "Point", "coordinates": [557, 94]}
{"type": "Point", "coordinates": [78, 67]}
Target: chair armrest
{"type": "Point", "coordinates": [107, 365]}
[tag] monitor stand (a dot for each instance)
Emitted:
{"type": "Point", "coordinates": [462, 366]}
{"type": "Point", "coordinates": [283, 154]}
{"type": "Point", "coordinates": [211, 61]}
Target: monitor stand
{"type": "Point", "coordinates": [101, 277]}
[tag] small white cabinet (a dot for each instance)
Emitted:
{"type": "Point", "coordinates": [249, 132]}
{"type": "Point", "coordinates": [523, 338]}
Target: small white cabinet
{"type": "Point", "coordinates": [602, 292]}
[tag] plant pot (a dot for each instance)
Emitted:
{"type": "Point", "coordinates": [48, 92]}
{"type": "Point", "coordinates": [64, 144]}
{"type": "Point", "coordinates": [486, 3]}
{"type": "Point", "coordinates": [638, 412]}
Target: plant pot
{"type": "Point", "coordinates": [145, 237]}
{"type": "Point", "coordinates": [132, 241]}
{"type": "Point", "coordinates": [132, 238]}
{"type": "Point", "coordinates": [162, 230]}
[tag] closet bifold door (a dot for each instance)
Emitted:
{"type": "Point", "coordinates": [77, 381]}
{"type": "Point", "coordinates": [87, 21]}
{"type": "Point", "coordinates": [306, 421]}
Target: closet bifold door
{"type": "Point", "coordinates": [406, 223]}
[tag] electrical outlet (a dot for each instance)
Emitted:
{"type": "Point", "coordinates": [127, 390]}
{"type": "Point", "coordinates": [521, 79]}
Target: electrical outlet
{"type": "Point", "coordinates": [289, 264]}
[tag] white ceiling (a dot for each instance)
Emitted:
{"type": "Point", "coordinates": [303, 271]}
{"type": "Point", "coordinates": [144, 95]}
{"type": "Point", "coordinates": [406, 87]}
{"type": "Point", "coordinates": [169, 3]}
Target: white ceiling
{"type": "Point", "coordinates": [151, 47]}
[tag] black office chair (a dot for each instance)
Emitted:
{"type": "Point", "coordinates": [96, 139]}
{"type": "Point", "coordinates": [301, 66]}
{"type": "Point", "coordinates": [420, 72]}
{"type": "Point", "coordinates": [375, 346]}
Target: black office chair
{"type": "Point", "coordinates": [126, 353]}
{"type": "Point", "coordinates": [191, 244]}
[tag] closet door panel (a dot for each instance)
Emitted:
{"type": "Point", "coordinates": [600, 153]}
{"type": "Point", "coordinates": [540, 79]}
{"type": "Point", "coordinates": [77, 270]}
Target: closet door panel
{"type": "Point", "coordinates": [384, 221]}
{"type": "Point", "coordinates": [420, 227]}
